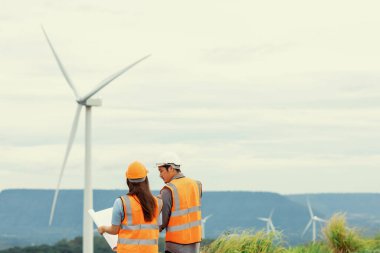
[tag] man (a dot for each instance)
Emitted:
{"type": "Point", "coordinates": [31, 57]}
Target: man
{"type": "Point", "coordinates": [181, 211]}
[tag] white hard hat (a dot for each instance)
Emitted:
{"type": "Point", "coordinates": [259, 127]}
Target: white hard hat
{"type": "Point", "coordinates": [169, 158]}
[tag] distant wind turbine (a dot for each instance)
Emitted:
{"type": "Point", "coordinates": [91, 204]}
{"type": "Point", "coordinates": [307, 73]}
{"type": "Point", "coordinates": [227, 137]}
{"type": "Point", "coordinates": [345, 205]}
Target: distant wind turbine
{"type": "Point", "coordinates": [313, 221]}
{"type": "Point", "coordinates": [204, 226]}
{"type": "Point", "coordinates": [88, 102]}
{"type": "Point", "coordinates": [269, 223]}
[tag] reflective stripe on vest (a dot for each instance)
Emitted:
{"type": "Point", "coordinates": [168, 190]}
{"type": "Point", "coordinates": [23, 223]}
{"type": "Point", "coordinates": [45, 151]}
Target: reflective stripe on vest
{"type": "Point", "coordinates": [137, 241]}
{"type": "Point", "coordinates": [184, 226]}
{"type": "Point", "coordinates": [139, 227]}
{"type": "Point", "coordinates": [186, 211]}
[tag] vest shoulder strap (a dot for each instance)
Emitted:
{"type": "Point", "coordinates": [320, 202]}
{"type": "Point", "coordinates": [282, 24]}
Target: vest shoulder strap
{"type": "Point", "coordinates": [123, 205]}
{"type": "Point", "coordinates": [127, 208]}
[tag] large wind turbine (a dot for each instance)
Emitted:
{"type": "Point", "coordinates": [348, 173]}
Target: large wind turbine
{"type": "Point", "coordinates": [204, 226]}
{"type": "Point", "coordinates": [313, 221]}
{"type": "Point", "coordinates": [269, 223]}
{"type": "Point", "coordinates": [88, 102]}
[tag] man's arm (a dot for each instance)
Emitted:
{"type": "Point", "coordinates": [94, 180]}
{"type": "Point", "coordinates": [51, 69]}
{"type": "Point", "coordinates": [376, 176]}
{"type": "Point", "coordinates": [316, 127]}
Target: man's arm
{"type": "Point", "coordinates": [167, 200]}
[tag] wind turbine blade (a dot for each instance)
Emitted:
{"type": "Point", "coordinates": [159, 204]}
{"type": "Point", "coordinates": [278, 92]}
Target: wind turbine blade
{"type": "Point", "coordinates": [310, 210]}
{"type": "Point", "coordinates": [262, 219]}
{"type": "Point", "coordinates": [61, 67]}
{"type": "Point", "coordinates": [307, 227]}
{"type": "Point", "coordinates": [68, 149]}
{"type": "Point", "coordinates": [206, 218]}
{"type": "Point", "coordinates": [110, 79]}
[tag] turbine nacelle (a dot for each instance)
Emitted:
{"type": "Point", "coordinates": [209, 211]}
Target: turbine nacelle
{"type": "Point", "coordinates": [316, 218]}
{"type": "Point", "coordinates": [90, 102]}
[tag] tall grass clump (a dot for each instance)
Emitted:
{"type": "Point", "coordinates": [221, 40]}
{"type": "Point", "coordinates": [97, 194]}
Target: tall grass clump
{"type": "Point", "coordinates": [246, 242]}
{"type": "Point", "coordinates": [340, 238]}
{"type": "Point", "coordinates": [310, 248]}
{"type": "Point", "coordinates": [375, 244]}
{"type": "Point", "coordinates": [371, 245]}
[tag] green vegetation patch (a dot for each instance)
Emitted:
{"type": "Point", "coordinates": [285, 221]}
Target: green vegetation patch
{"type": "Point", "coordinates": [338, 238]}
{"type": "Point", "coordinates": [246, 242]}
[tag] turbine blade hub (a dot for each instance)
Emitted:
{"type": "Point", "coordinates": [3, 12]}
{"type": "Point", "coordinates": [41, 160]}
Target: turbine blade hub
{"type": "Point", "coordinates": [91, 102]}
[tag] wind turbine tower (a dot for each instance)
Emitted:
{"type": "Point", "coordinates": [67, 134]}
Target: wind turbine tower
{"type": "Point", "coordinates": [88, 102]}
{"type": "Point", "coordinates": [313, 221]}
{"type": "Point", "coordinates": [269, 223]}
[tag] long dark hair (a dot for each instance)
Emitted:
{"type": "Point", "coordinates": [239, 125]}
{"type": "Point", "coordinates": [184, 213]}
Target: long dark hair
{"type": "Point", "coordinates": [146, 199]}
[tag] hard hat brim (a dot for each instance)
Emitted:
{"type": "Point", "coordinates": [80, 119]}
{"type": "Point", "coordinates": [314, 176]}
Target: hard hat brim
{"type": "Point", "coordinates": [162, 164]}
{"type": "Point", "coordinates": [137, 180]}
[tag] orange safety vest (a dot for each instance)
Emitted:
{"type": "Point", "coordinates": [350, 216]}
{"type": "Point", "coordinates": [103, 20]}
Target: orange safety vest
{"type": "Point", "coordinates": [137, 235]}
{"type": "Point", "coordinates": [185, 223]}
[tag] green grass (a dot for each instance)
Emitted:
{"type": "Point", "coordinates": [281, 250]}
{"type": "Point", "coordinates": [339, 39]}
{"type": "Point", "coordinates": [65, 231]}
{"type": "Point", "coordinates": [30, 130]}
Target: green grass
{"type": "Point", "coordinates": [371, 245]}
{"type": "Point", "coordinates": [338, 238]}
{"type": "Point", "coordinates": [310, 248]}
{"type": "Point", "coordinates": [246, 242]}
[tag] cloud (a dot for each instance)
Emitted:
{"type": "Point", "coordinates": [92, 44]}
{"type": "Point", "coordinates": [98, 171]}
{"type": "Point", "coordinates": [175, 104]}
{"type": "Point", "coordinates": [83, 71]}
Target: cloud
{"type": "Point", "coordinates": [249, 102]}
{"type": "Point", "coordinates": [240, 54]}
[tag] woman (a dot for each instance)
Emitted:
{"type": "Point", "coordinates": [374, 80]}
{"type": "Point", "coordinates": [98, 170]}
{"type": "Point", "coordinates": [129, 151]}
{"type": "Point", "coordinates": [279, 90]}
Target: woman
{"type": "Point", "coordinates": [135, 215]}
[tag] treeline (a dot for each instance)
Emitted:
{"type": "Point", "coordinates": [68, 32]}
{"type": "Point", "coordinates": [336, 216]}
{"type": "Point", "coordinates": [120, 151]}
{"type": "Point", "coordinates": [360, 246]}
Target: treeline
{"type": "Point", "coordinates": [63, 246]}
{"type": "Point", "coordinates": [75, 246]}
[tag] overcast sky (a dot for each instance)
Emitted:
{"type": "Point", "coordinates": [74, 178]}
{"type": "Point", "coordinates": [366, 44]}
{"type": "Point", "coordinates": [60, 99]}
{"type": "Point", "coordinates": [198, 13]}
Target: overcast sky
{"type": "Point", "coordinates": [280, 96]}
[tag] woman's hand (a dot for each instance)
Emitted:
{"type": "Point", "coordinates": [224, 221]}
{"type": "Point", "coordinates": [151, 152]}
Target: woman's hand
{"type": "Point", "coordinates": [101, 230]}
{"type": "Point", "coordinates": [112, 230]}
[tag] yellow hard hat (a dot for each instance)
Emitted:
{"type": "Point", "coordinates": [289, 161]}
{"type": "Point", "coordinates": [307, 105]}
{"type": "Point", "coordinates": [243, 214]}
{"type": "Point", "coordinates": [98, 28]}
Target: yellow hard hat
{"type": "Point", "coordinates": [136, 172]}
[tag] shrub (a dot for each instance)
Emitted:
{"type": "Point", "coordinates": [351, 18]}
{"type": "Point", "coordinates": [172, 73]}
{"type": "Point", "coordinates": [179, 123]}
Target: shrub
{"type": "Point", "coordinates": [340, 238]}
